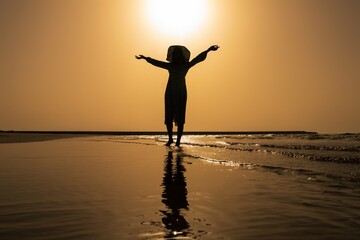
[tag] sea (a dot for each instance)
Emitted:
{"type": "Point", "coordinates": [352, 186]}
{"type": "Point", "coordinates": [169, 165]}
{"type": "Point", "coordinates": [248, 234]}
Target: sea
{"type": "Point", "coordinates": [215, 186]}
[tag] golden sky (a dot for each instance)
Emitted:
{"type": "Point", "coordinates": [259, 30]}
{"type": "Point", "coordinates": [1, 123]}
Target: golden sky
{"type": "Point", "coordinates": [282, 65]}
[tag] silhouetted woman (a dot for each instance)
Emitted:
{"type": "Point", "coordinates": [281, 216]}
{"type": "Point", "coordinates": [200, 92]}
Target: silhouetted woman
{"type": "Point", "coordinates": [175, 94]}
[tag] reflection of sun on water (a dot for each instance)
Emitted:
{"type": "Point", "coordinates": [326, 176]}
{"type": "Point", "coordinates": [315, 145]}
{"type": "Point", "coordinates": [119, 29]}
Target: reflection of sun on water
{"type": "Point", "coordinates": [177, 18]}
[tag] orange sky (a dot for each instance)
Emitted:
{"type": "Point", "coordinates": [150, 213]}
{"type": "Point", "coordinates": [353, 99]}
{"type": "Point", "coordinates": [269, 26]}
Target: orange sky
{"type": "Point", "coordinates": [282, 65]}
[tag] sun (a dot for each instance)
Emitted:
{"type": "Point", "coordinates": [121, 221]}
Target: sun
{"type": "Point", "coordinates": [177, 18]}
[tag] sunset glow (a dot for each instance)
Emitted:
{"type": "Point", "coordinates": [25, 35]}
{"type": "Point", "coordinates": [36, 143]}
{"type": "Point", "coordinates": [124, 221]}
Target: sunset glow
{"type": "Point", "coordinates": [282, 65]}
{"type": "Point", "coordinates": [176, 18]}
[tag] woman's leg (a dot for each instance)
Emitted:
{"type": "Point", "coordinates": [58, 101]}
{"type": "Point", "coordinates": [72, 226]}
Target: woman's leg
{"type": "Point", "coordinates": [180, 130]}
{"type": "Point", "coordinates": [169, 127]}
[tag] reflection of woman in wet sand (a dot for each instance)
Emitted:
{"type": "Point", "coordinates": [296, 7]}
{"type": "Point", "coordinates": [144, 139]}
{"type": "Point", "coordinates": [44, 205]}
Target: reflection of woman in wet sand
{"type": "Point", "coordinates": [175, 94]}
{"type": "Point", "coordinates": [174, 195]}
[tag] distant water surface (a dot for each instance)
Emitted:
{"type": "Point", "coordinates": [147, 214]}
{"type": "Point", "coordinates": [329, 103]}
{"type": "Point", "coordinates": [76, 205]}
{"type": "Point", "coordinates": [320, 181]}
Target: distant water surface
{"type": "Point", "coordinates": [215, 187]}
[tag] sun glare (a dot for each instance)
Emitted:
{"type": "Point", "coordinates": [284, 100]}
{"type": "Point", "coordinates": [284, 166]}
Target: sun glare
{"type": "Point", "coordinates": [177, 18]}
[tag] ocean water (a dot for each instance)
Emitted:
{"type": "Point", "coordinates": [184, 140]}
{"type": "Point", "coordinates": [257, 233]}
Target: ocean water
{"type": "Point", "coordinates": [272, 186]}
{"type": "Point", "coordinates": [329, 155]}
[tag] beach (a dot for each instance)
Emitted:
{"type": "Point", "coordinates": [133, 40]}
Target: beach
{"type": "Point", "coordinates": [213, 187]}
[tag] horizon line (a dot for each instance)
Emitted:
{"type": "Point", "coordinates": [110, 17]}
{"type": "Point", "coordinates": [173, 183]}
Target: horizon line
{"type": "Point", "coordinates": [158, 132]}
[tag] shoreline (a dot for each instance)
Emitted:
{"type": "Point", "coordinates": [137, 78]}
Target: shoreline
{"type": "Point", "coordinates": [40, 136]}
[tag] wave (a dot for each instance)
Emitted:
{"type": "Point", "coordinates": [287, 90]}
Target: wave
{"type": "Point", "coordinates": [323, 152]}
{"type": "Point", "coordinates": [301, 147]}
{"type": "Point", "coordinates": [253, 147]}
{"type": "Point", "coordinates": [310, 174]}
{"type": "Point", "coordinates": [311, 136]}
{"type": "Point", "coordinates": [313, 147]}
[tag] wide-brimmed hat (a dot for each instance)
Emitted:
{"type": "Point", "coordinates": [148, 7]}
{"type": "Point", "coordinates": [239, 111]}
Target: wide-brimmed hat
{"type": "Point", "coordinates": [185, 51]}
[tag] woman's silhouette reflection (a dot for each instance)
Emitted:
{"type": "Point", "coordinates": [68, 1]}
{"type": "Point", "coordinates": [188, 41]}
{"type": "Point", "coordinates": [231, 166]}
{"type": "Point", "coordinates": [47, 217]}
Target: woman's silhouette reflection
{"type": "Point", "coordinates": [174, 195]}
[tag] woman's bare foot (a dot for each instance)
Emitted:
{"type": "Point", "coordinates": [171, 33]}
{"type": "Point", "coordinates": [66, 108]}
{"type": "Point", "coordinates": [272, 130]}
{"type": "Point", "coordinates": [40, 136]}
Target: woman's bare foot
{"type": "Point", "coordinates": [169, 142]}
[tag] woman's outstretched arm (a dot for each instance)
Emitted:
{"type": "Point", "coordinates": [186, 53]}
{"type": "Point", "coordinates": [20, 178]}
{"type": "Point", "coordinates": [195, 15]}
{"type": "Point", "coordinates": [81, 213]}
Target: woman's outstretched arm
{"type": "Point", "coordinates": [202, 56]}
{"type": "Point", "coordinates": [154, 62]}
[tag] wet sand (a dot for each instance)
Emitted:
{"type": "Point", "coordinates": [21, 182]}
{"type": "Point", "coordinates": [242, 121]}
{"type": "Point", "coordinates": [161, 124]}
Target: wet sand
{"type": "Point", "coordinates": [88, 189]}
{"type": "Point", "coordinates": [14, 137]}
{"type": "Point", "coordinates": [91, 188]}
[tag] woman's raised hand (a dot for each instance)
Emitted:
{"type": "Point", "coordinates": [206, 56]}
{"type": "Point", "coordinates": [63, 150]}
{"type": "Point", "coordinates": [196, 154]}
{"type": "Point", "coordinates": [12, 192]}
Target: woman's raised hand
{"type": "Point", "coordinates": [213, 48]}
{"type": "Point", "coordinates": [140, 57]}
